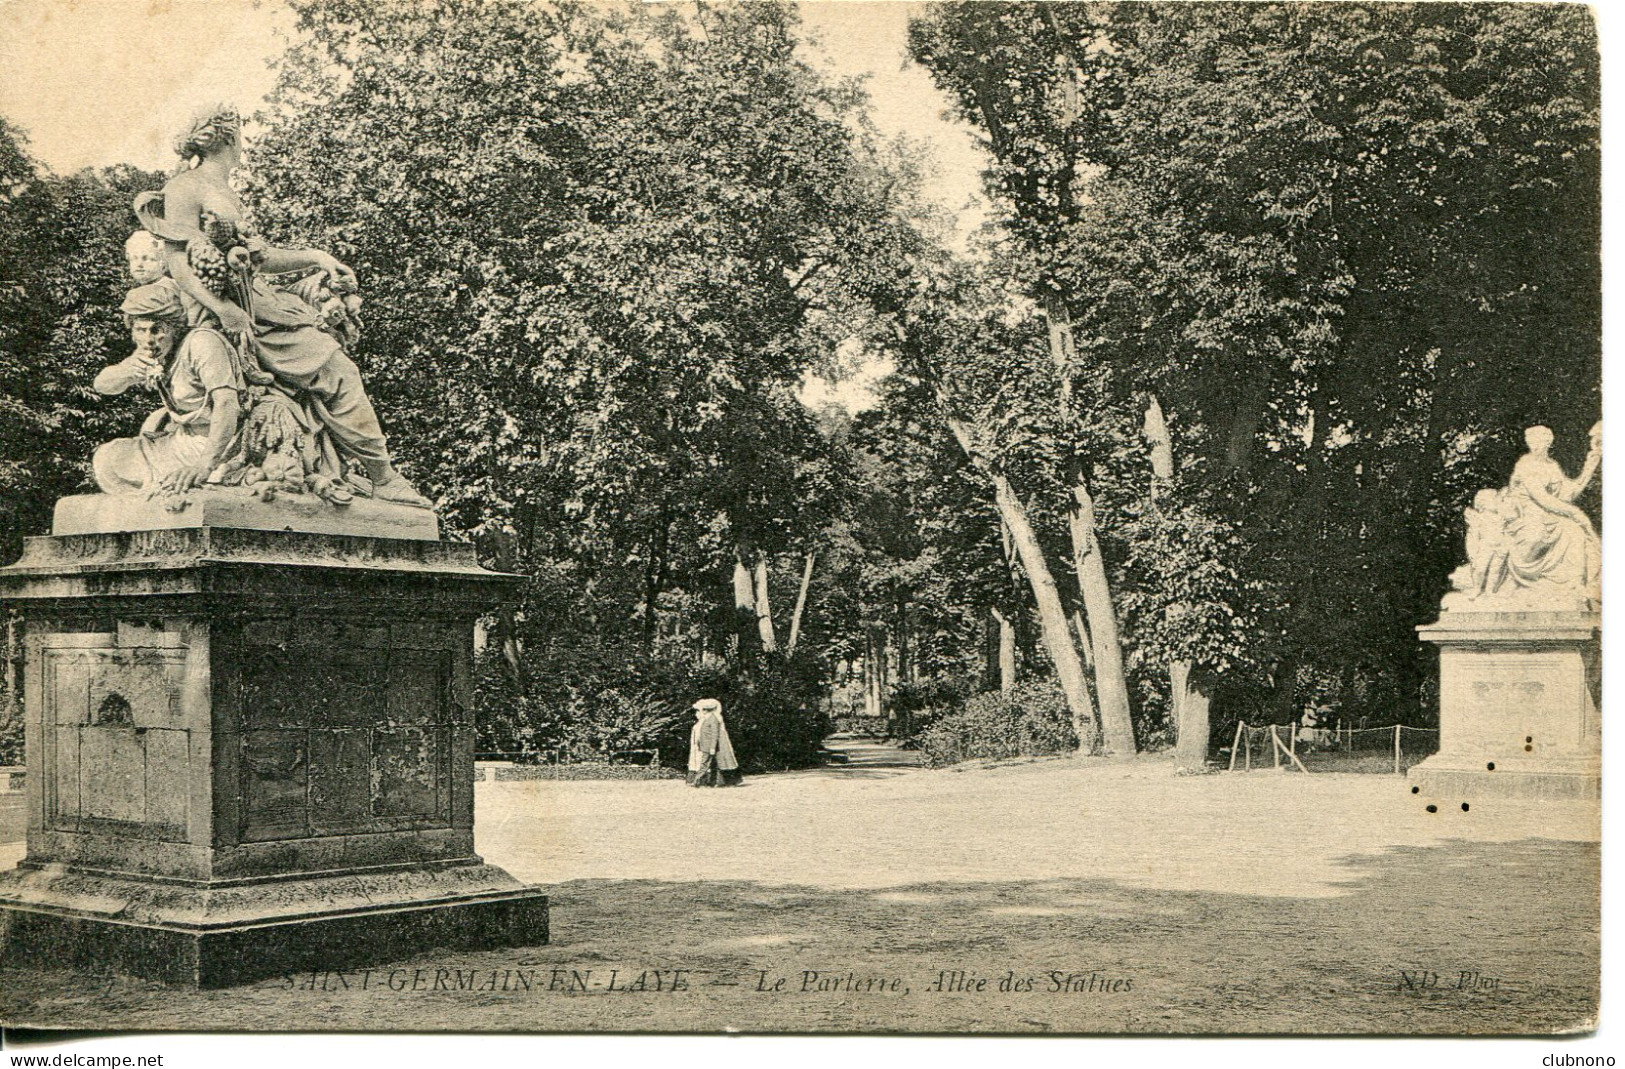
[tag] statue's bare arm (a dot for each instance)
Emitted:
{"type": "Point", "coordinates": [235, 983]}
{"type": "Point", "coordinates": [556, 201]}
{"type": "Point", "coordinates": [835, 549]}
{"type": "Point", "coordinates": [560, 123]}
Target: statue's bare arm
{"type": "Point", "coordinates": [224, 412]}
{"type": "Point", "coordinates": [1573, 488]}
{"type": "Point", "coordinates": [131, 371]}
{"type": "Point", "coordinates": [1534, 486]}
{"type": "Point", "coordinates": [183, 207]}
{"type": "Point", "coordinates": [280, 261]}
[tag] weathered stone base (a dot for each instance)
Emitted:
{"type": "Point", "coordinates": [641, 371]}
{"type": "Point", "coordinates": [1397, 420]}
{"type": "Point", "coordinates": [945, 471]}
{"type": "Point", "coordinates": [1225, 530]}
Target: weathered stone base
{"type": "Point", "coordinates": [1517, 708]}
{"type": "Point", "coordinates": [250, 750]}
{"type": "Point", "coordinates": [1453, 784]}
{"type": "Point", "coordinates": [217, 937]}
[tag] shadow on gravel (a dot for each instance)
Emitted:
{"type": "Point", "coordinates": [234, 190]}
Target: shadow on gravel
{"type": "Point", "coordinates": [1457, 939]}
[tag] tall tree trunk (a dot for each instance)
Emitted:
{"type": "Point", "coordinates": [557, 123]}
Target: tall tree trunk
{"type": "Point", "coordinates": [1245, 419]}
{"type": "Point", "coordinates": [1185, 717]}
{"type": "Point", "coordinates": [1012, 648]}
{"type": "Point", "coordinates": [801, 602]}
{"type": "Point", "coordinates": [654, 578]}
{"type": "Point", "coordinates": [874, 674]}
{"type": "Point", "coordinates": [500, 545]}
{"type": "Point", "coordinates": [1117, 722]}
{"type": "Point", "coordinates": [905, 650]}
{"type": "Point", "coordinates": [746, 625]}
{"type": "Point", "coordinates": [764, 606]}
{"type": "Point", "coordinates": [1192, 725]}
{"type": "Point", "coordinates": [990, 650]}
{"type": "Point", "coordinates": [1057, 632]}
{"type": "Point", "coordinates": [1110, 682]}
{"type": "Point", "coordinates": [1084, 642]}
{"type": "Point", "coordinates": [1006, 652]}
{"type": "Point", "coordinates": [1155, 429]}
{"type": "Point", "coordinates": [883, 676]}
{"type": "Point", "coordinates": [868, 672]}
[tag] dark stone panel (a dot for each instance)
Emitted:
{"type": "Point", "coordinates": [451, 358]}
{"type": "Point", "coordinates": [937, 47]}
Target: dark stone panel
{"type": "Point", "coordinates": [416, 691]}
{"type": "Point", "coordinates": [406, 772]}
{"type": "Point", "coordinates": [275, 784]}
{"type": "Point", "coordinates": [340, 781]}
{"type": "Point", "coordinates": [339, 688]}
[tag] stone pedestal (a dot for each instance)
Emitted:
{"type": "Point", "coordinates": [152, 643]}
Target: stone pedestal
{"type": "Point", "coordinates": [1518, 701]}
{"type": "Point", "coordinates": [251, 752]}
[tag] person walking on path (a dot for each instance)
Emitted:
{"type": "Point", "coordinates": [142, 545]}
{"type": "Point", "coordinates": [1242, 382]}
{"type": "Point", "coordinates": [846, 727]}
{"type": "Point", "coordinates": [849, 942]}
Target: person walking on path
{"type": "Point", "coordinates": [711, 760]}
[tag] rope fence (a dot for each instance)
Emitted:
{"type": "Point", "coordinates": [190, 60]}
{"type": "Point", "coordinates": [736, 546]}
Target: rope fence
{"type": "Point", "coordinates": [1293, 747]}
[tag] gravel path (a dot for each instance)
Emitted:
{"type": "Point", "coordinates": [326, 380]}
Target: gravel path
{"type": "Point", "coordinates": [1106, 897]}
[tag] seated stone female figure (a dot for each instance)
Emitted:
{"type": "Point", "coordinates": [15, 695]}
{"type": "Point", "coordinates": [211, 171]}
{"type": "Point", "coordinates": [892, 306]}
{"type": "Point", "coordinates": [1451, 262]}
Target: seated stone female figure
{"type": "Point", "coordinates": [201, 219]}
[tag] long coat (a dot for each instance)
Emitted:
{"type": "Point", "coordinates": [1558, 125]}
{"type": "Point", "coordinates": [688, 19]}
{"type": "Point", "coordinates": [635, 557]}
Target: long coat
{"type": "Point", "coordinates": [710, 736]}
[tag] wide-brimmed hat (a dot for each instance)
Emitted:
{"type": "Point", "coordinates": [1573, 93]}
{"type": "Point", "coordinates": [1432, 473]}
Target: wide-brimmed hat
{"type": "Point", "coordinates": [707, 705]}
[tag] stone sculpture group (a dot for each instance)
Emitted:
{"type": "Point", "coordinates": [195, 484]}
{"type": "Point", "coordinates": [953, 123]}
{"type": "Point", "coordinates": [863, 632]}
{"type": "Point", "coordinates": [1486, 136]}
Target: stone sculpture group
{"type": "Point", "coordinates": [1529, 547]}
{"type": "Point", "coordinates": [244, 343]}
{"type": "Point", "coordinates": [1519, 678]}
{"type": "Point", "coordinates": [248, 663]}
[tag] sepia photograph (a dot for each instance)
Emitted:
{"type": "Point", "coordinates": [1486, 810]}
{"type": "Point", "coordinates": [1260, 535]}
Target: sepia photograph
{"type": "Point", "coordinates": [843, 517]}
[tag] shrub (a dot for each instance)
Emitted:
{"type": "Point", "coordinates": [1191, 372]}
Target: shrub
{"type": "Point", "coordinates": [588, 702]}
{"type": "Point", "coordinates": [1031, 721]}
{"type": "Point", "coordinates": [916, 706]}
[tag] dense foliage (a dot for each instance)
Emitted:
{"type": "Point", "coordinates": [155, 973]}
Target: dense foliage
{"type": "Point", "coordinates": [1031, 721]}
{"type": "Point", "coordinates": [601, 248]}
{"type": "Point", "coordinates": [1270, 291]}
{"type": "Point", "coordinates": [1351, 249]}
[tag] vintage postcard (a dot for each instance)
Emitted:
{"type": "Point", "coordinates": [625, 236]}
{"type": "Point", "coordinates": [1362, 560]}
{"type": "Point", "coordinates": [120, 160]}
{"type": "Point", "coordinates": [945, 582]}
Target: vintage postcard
{"type": "Point", "coordinates": [968, 518]}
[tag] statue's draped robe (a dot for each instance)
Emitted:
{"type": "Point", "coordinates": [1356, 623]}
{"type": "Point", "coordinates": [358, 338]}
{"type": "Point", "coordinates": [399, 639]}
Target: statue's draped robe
{"type": "Point", "coordinates": [1543, 548]}
{"type": "Point", "coordinates": [292, 346]}
{"type": "Point", "coordinates": [302, 357]}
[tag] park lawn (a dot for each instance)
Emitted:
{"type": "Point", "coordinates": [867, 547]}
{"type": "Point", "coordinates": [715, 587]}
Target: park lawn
{"type": "Point", "coordinates": [1090, 897]}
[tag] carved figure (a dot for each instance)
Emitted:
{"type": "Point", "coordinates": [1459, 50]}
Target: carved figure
{"type": "Point", "coordinates": [1486, 541]}
{"type": "Point", "coordinates": [217, 261]}
{"type": "Point", "coordinates": [1529, 547]}
{"type": "Point", "coordinates": [196, 373]}
{"type": "Point", "coordinates": [145, 255]}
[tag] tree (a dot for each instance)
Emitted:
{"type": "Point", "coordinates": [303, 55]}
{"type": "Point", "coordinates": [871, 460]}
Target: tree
{"type": "Point", "coordinates": [600, 248]}
{"type": "Point", "coordinates": [955, 338]}
{"type": "Point", "coordinates": [1347, 251]}
{"type": "Point", "coordinates": [62, 278]}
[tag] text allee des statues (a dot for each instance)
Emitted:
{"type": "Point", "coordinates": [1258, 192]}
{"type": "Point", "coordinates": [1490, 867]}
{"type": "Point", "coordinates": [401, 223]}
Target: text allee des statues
{"type": "Point", "coordinates": [306, 413]}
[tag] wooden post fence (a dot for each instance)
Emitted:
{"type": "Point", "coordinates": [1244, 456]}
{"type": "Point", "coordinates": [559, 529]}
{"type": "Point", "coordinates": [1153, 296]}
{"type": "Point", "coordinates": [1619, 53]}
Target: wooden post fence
{"type": "Point", "coordinates": [1281, 748]}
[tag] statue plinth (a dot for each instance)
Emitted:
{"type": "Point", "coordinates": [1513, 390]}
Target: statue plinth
{"type": "Point", "coordinates": [234, 507]}
{"type": "Point", "coordinates": [251, 752]}
{"type": "Point", "coordinates": [1518, 700]}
